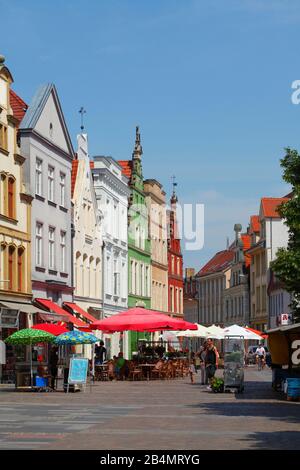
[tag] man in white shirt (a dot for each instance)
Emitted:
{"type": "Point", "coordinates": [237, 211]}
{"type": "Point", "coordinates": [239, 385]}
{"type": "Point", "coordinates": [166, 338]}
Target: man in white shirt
{"type": "Point", "coordinates": [260, 351]}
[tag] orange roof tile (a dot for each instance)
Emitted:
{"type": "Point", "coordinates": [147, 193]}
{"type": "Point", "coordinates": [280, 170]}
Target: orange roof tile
{"type": "Point", "coordinates": [19, 106]}
{"type": "Point", "coordinates": [126, 167]}
{"type": "Point", "coordinates": [246, 239]}
{"type": "Point", "coordinates": [92, 165]}
{"type": "Point", "coordinates": [254, 224]}
{"type": "Point", "coordinates": [218, 262]}
{"type": "Point", "coordinates": [270, 206]}
{"type": "Point", "coordinates": [74, 175]}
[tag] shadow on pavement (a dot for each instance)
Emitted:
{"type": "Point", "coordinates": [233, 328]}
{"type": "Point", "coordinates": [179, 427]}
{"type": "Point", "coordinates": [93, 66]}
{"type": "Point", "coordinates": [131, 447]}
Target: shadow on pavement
{"type": "Point", "coordinates": [285, 440]}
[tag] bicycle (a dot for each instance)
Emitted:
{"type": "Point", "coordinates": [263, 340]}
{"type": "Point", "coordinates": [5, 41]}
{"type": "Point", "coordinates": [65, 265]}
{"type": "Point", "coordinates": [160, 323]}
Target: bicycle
{"type": "Point", "coordinates": [260, 360]}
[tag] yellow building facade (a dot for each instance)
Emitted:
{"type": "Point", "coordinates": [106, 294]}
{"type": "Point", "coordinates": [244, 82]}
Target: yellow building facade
{"type": "Point", "coordinates": [15, 203]}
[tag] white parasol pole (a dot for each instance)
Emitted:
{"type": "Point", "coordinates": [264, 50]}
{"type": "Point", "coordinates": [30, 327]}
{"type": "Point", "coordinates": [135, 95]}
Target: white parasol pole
{"type": "Point", "coordinates": [31, 372]}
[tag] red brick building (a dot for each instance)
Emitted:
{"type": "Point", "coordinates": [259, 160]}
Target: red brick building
{"type": "Point", "coordinates": [175, 263]}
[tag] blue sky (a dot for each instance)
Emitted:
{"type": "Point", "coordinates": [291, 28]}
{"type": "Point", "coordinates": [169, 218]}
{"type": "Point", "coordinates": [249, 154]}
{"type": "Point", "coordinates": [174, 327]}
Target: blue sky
{"type": "Point", "coordinates": [208, 81]}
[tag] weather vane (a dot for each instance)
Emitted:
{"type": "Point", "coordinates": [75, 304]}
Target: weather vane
{"type": "Point", "coordinates": [82, 111]}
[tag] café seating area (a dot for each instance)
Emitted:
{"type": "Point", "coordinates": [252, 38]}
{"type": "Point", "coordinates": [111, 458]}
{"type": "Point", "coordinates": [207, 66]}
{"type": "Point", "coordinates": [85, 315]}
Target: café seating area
{"type": "Point", "coordinates": [132, 370]}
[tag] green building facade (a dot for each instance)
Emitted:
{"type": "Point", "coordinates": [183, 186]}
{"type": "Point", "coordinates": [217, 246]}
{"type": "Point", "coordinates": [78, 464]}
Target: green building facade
{"type": "Point", "coordinates": [139, 245]}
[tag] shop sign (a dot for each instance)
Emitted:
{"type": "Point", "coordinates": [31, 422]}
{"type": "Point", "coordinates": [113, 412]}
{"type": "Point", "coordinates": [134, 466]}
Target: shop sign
{"type": "Point", "coordinates": [78, 370]}
{"type": "Point", "coordinates": [296, 352]}
{"type": "Point", "coordinates": [285, 319]}
{"type": "Point", "coordinates": [9, 318]}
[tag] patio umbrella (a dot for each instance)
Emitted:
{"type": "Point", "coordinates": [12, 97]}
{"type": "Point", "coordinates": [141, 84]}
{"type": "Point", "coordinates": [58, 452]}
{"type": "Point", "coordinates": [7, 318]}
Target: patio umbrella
{"type": "Point", "coordinates": [75, 337]}
{"type": "Point", "coordinates": [201, 332]}
{"type": "Point", "coordinates": [236, 330]}
{"type": "Point", "coordinates": [142, 320]}
{"type": "Point", "coordinates": [51, 328]}
{"type": "Point", "coordinates": [260, 333]}
{"type": "Point", "coordinates": [215, 331]}
{"type": "Point", "coordinates": [30, 336]}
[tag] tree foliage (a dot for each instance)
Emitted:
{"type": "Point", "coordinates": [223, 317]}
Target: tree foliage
{"type": "Point", "coordinates": [286, 266]}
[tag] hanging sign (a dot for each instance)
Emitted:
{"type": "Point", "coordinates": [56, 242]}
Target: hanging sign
{"type": "Point", "coordinates": [78, 370]}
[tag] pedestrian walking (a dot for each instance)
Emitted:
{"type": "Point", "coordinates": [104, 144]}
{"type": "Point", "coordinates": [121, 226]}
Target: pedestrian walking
{"type": "Point", "coordinates": [211, 360]}
{"type": "Point", "coordinates": [202, 355]}
{"type": "Point", "coordinates": [192, 371]}
{"type": "Point", "coordinates": [100, 353]}
{"type": "Point", "coordinates": [53, 361]}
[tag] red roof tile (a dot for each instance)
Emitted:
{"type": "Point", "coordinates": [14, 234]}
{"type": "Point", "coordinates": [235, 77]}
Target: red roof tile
{"type": "Point", "coordinates": [246, 239]}
{"type": "Point", "coordinates": [19, 106]}
{"type": "Point", "coordinates": [270, 205]}
{"type": "Point", "coordinates": [126, 167]}
{"type": "Point", "coordinates": [219, 262]}
{"type": "Point", "coordinates": [254, 224]}
{"type": "Point", "coordinates": [74, 175]}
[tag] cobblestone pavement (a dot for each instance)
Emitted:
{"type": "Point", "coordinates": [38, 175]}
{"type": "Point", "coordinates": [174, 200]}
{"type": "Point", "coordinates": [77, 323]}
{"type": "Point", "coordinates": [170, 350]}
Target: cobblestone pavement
{"type": "Point", "coordinates": [151, 415]}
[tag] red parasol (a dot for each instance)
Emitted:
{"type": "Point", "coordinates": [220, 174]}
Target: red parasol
{"type": "Point", "coordinates": [143, 320]}
{"type": "Point", "coordinates": [260, 333]}
{"type": "Point", "coordinates": [55, 330]}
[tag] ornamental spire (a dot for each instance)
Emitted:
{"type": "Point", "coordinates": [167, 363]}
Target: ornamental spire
{"type": "Point", "coordinates": [138, 150]}
{"type": "Point", "coordinates": [174, 198]}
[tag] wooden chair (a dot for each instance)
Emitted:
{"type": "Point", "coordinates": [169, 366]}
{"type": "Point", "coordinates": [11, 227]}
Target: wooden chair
{"type": "Point", "coordinates": [135, 372]}
{"type": "Point", "coordinates": [157, 370]}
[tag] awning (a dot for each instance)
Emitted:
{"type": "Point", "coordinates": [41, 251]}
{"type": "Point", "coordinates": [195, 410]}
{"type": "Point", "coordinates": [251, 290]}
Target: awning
{"type": "Point", "coordinates": [76, 309]}
{"type": "Point", "coordinates": [27, 308]}
{"type": "Point", "coordinates": [53, 307]}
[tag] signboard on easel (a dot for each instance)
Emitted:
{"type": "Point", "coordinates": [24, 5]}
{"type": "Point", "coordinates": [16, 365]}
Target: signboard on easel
{"type": "Point", "coordinates": [78, 371]}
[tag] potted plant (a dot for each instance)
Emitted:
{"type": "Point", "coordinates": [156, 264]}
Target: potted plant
{"type": "Point", "coordinates": [217, 385]}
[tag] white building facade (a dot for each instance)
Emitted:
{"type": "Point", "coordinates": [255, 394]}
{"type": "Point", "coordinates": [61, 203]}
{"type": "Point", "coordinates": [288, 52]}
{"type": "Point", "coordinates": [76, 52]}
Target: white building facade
{"type": "Point", "coordinates": [47, 147]}
{"type": "Point", "coordinates": [87, 241]}
{"type": "Point", "coordinates": [112, 193]}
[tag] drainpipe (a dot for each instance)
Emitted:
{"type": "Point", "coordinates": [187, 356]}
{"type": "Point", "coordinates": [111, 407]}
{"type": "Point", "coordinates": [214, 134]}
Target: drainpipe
{"type": "Point", "coordinates": [72, 257]}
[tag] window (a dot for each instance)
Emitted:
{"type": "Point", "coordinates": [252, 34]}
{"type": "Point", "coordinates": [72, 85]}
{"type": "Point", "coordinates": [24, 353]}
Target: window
{"type": "Point", "coordinates": [11, 197]}
{"type": "Point", "coordinates": [147, 282]}
{"type": "Point", "coordinates": [3, 137]}
{"type": "Point", "coordinates": [51, 240]}
{"type": "Point", "coordinates": [132, 287]}
{"type": "Point", "coordinates": [63, 250]}
{"type": "Point", "coordinates": [20, 269]}
{"type": "Point", "coordinates": [11, 277]}
{"type": "Point", "coordinates": [38, 244]}
{"type": "Point", "coordinates": [38, 177]}
{"type": "Point", "coordinates": [116, 278]}
{"type": "Point", "coordinates": [62, 189]}
{"type": "Point", "coordinates": [51, 183]}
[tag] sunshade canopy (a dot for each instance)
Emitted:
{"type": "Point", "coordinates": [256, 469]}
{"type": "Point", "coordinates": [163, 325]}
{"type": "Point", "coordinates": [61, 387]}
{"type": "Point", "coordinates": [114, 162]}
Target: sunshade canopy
{"type": "Point", "coordinates": [141, 319]}
{"type": "Point", "coordinates": [236, 330]}
{"type": "Point", "coordinates": [29, 336]}
{"type": "Point", "coordinates": [201, 332]}
{"type": "Point", "coordinates": [75, 337]}
{"type": "Point", "coordinates": [51, 328]}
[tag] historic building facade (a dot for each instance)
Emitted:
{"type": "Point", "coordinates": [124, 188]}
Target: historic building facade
{"type": "Point", "coordinates": [47, 147]}
{"type": "Point", "coordinates": [175, 263]}
{"type": "Point", "coordinates": [15, 202]}
{"type": "Point", "coordinates": [15, 224]}
{"type": "Point", "coordinates": [213, 279]}
{"type": "Point", "coordinates": [156, 206]}
{"type": "Point", "coordinates": [112, 193]}
{"type": "Point", "coordinates": [139, 245]}
{"type": "Point", "coordinates": [273, 234]}
{"type": "Point", "coordinates": [236, 308]}
{"type": "Point", "coordinates": [190, 296]}
{"type": "Point", "coordinates": [87, 241]}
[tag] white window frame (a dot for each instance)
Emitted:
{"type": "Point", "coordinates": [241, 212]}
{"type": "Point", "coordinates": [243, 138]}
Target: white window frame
{"type": "Point", "coordinates": [62, 184]}
{"type": "Point", "coordinates": [63, 236]}
{"type": "Point", "coordinates": [39, 176]}
{"type": "Point", "coordinates": [51, 173]}
{"type": "Point", "coordinates": [51, 251]}
{"type": "Point", "coordinates": [38, 244]}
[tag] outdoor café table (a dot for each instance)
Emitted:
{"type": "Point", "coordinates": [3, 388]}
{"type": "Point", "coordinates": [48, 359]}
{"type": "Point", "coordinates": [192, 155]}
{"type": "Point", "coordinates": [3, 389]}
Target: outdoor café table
{"type": "Point", "coordinates": [148, 368]}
